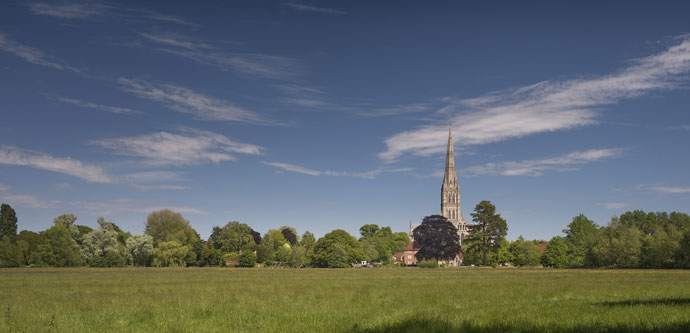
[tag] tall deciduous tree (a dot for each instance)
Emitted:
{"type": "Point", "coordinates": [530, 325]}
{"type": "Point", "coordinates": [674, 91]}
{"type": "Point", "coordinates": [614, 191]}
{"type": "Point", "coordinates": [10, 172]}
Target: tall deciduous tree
{"type": "Point", "coordinates": [8, 223]}
{"type": "Point", "coordinates": [337, 249]}
{"type": "Point", "coordinates": [233, 237]}
{"type": "Point", "coordinates": [580, 235]}
{"type": "Point", "coordinates": [436, 238]}
{"type": "Point", "coordinates": [139, 250]}
{"type": "Point", "coordinates": [489, 229]}
{"type": "Point", "coordinates": [60, 249]}
{"type": "Point", "coordinates": [168, 226]}
{"type": "Point", "coordinates": [556, 253]}
{"type": "Point", "coordinates": [525, 253]}
{"type": "Point", "coordinates": [100, 247]}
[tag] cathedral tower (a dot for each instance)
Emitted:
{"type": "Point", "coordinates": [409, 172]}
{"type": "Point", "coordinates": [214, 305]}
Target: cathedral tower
{"type": "Point", "coordinates": [450, 190]}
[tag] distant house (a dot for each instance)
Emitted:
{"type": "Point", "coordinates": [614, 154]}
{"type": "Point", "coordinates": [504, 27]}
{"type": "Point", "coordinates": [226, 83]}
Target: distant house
{"type": "Point", "coordinates": [407, 256]}
{"type": "Point", "coordinates": [542, 246]}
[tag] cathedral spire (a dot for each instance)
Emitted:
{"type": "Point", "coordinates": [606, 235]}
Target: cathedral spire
{"type": "Point", "coordinates": [449, 175]}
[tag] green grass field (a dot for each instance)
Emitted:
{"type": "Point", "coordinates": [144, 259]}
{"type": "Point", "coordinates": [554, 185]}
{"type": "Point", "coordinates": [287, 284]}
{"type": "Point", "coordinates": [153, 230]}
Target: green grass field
{"type": "Point", "coordinates": [324, 300]}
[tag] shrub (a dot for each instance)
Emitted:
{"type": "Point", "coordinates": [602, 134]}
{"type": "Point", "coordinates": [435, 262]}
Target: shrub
{"type": "Point", "coordinates": [428, 264]}
{"type": "Point", "coordinates": [247, 259]}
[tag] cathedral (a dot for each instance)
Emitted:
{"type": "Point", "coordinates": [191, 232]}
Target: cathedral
{"type": "Point", "coordinates": [450, 194]}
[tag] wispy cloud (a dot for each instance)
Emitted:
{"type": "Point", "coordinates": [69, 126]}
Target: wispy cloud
{"type": "Point", "coordinates": [543, 107]}
{"type": "Point", "coordinates": [298, 169]}
{"type": "Point", "coordinates": [252, 64]}
{"type": "Point", "coordinates": [615, 205]}
{"type": "Point", "coordinates": [63, 187]}
{"type": "Point", "coordinates": [308, 97]}
{"type": "Point", "coordinates": [31, 55]}
{"type": "Point", "coordinates": [670, 189]}
{"type": "Point", "coordinates": [92, 10]}
{"type": "Point", "coordinates": [69, 10]}
{"type": "Point", "coordinates": [107, 108]}
{"type": "Point", "coordinates": [159, 187]}
{"type": "Point", "coordinates": [96, 207]}
{"type": "Point", "coordinates": [25, 200]}
{"type": "Point", "coordinates": [154, 176]}
{"type": "Point", "coordinates": [305, 8]}
{"type": "Point", "coordinates": [399, 109]}
{"type": "Point", "coordinates": [16, 156]}
{"type": "Point", "coordinates": [188, 147]}
{"type": "Point", "coordinates": [538, 167]}
{"type": "Point", "coordinates": [133, 205]}
{"type": "Point", "coordinates": [187, 101]}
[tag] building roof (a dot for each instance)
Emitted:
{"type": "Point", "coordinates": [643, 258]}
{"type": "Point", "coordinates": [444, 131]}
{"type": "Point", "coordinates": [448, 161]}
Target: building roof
{"type": "Point", "coordinates": [410, 247]}
{"type": "Point", "coordinates": [542, 246]}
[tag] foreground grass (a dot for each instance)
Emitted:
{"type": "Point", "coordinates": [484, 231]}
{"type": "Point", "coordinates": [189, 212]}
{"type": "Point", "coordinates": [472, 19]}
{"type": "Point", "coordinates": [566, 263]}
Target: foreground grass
{"type": "Point", "coordinates": [365, 300]}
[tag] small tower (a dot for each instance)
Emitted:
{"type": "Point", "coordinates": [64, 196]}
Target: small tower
{"type": "Point", "coordinates": [450, 190]}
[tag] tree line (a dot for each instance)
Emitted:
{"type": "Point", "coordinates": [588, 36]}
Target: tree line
{"type": "Point", "coordinates": [635, 239]}
{"type": "Point", "coordinates": [170, 240]}
{"type": "Point", "coordinates": [632, 240]}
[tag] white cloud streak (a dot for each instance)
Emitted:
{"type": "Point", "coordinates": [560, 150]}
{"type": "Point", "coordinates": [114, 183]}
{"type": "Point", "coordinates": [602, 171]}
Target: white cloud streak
{"type": "Point", "coordinates": [305, 8]}
{"type": "Point", "coordinates": [187, 101]}
{"type": "Point", "coordinates": [24, 200]}
{"type": "Point", "coordinates": [298, 169]}
{"type": "Point", "coordinates": [31, 55]}
{"type": "Point", "coordinates": [252, 64]}
{"type": "Point", "coordinates": [543, 107]}
{"type": "Point", "coordinates": [159, 187]}
{"type": "Point", "coordinates": [16, 156]}
{"type": "Point", "coordinates": [538, 167]}
{"type": "Point", "coordinates": [69, 10]}
{"type": "Point", "coordinates": [670, 189]}
{"type": "Point", "coordinates": [92, 10]}
{"type": "Point", "coordinates": [189, 147]}
{"type": "Point", "coordinates": [107, 108]}
{"type": "Point", "coordinates": [615, 205]}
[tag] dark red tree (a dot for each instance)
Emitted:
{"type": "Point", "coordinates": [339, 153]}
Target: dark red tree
{"type": "Point", "coordinates": [289, 236]}
{"type": "Point", "coordinates": [436, 238]}
{"type": "Point", "coordinates": [257, 236]}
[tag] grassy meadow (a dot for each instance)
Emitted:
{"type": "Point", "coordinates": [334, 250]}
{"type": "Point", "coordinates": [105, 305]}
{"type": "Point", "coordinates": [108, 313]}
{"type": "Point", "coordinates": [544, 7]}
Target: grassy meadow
{"type": "Point", "coordinates": [343, 300]}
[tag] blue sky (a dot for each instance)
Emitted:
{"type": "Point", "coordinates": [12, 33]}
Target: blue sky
{"type": "Point", "coordinates": [334, 114]}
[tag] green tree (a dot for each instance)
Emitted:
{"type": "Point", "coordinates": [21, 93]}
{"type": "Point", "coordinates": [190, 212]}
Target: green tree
{"type": "Point", "coordinates": [170, 253]}
{"type": "Point", "coordinates": [337, 249]}
{"type": "Point", "coordinates": [31, 244]}
{"type": "Point", "coordinates": [683, 253]}
{"type": "Point", "coordinates": [10, 253]}
{"type": "Point", "coordinates": [556, 253]}
{"type": "Point", "coordinates": [283, 254]}
{"type": "Point", "coordinates": [210, 256]}
{"type": "Point", "coordinates": [247, 259]}
{"type": "Point", "coordinates": [525, 253]}
{"type": "Point", "coordinates": [233, 237]}
{"type": "Point", "coordinates": [8, 223]}
{"type": "Point", "coordinates": [368, 230]}
{"type": "Point", "coordinates": [620, 245]}
{"type": "Point", "coordinates": [308, 240]}
{"type": "Point", "coordinates": [489, 229]}
{"type": "Point", "coordinates": [581, 235]}
{"type": "Point", "coordinates": [67, 221]}
{"type": "Point", "coordinates": [139, 249]}
{"type": "Point", "coordinates": [167, 226]}
{"type": "Point", "coordinates": [100, 248]}
{"type": "Point", "coordinates": [436, 238]}
{"type": "Point", "coordinates": [60, 249]}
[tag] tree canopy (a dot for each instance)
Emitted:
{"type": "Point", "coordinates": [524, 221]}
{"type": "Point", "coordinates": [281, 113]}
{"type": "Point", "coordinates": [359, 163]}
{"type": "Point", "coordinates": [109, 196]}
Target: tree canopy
{"type": "Point", "coordinates": [489, 230]}
{"type": "Point", "coordinates": [436, 238]}
{"type": "Point", "coordinates": [337, 249]}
